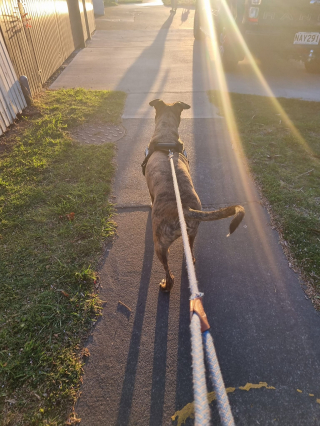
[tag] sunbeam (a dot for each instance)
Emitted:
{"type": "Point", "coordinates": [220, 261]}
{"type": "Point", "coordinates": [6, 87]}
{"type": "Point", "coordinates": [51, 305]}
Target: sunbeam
{"type": "Point", "coordinates": [214, 54]}
{"type": "Point", "coordinates": [262, 79]}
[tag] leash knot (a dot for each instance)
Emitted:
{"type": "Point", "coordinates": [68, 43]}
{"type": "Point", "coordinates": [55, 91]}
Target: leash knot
{"type": "Point", "coordinates": [196, 307]}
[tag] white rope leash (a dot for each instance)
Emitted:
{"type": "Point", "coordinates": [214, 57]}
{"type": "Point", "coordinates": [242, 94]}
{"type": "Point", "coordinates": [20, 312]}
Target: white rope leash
{"type": "Point", "coordinates": [202, 411]}
{"type": "Point", "coordinates": [193, 284]}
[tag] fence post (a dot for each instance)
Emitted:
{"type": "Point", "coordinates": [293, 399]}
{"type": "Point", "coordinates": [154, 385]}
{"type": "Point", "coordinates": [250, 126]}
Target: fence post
{"type": "Point", "coordinates": [86, 18]}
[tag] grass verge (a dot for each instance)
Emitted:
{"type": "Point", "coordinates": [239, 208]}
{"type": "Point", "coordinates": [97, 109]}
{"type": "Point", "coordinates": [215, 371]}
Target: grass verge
{"type": "Point", "coordinates": [286, 173]}
{"type": "Point", "coordinates": [129, 1]}
{"type": "Point", "coordinates": [54, 220]}
{"type": "Point", "coordinates": [183, 3]}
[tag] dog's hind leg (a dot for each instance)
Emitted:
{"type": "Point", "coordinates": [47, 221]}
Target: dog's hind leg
{"type": "Point", "coordinates": [191, 241]}
{"type": "Point", "coordinates": [167, 283]}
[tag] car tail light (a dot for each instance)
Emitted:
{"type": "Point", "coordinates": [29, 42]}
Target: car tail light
{"type": "Point", "coordinates": [253, 14]}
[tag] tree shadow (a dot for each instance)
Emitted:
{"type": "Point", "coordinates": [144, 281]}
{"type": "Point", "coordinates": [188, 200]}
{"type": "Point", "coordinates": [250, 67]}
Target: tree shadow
{"type": "Point", "coordinates": [133, 354]}
{"type": "Point", "coordinates": [201, 75]}
{"type": "Point", "coordinates": [147, 66]}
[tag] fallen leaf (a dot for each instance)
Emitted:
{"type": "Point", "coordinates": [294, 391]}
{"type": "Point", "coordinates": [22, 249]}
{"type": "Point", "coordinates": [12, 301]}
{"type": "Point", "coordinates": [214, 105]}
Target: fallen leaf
{"type": "Point", "coordinates": [73, 420]}
{"type": "Point", "coordinates": [70, 216]}
{"type": "Point", "coordinates": [63, 292]}
{"type": "Point", "coordinates": [85, 352]}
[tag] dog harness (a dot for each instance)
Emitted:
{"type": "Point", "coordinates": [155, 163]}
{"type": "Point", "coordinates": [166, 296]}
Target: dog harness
{"type": "Point", "coordinates": [164, 147]}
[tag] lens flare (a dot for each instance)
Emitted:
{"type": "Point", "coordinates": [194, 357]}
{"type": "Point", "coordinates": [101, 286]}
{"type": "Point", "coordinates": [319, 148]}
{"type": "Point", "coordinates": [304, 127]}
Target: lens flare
{"type": "Point", "coordinates": [262, 80]}
{"type": "Point", "coordinates": [243, 184]}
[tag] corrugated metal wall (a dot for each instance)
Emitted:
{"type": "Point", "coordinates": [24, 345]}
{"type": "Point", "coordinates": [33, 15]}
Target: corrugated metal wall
{"type": "Point", "coordinates": [41, 34]}
{"type": "Point", "coordinates": [12, 100]}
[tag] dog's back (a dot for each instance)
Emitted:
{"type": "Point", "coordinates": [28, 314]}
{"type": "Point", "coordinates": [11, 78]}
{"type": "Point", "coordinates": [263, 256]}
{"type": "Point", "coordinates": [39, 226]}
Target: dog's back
{"type": "Point", "coordinates": [160, 184]}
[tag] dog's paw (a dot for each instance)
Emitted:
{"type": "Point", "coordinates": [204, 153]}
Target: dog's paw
{"type": "Point", "coordinates": [166, 287]}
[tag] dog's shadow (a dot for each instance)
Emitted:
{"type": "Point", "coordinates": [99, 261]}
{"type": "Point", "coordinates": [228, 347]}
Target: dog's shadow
{"type": "Point", "coordinates": [184, 370]}
{"type": "Point", "coordinates": [134, 347]}
{"type": "Point", "coordinates": [159, 360]}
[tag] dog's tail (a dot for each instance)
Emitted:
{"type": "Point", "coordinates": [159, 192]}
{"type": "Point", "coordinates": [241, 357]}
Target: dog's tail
{"type": "Point", "coordinates": [236, 211]}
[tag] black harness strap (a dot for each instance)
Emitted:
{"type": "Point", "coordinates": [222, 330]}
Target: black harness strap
{"type": "Point", "coordinates": [164, 147]}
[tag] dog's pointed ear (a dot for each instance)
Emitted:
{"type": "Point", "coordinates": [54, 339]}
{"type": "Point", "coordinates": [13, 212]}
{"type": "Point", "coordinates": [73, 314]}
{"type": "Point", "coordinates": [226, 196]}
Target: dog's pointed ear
{"type": "Point", "coordinates": [156, 103]}
{"type": "Point", "coordinates": [182, 106]}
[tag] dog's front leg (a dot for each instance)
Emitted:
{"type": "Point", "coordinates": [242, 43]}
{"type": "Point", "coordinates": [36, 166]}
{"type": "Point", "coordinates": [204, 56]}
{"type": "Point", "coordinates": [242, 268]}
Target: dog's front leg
{"type": "Point", "coordinates": [162, 253]}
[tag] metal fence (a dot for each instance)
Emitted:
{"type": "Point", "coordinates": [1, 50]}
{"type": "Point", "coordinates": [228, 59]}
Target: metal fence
{"type": "Point", "coordinates": [41, 34]}
{"type": "Point", "coordinates": [12, 100]}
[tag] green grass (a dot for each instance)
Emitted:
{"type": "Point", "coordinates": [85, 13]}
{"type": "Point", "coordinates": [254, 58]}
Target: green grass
{"type": "Point", "coordinates": [129, 1]}
{"type": "Point", "coordinates": [108, 3]}
{"type": "Point", "coordinates": [280, 163]}
{"type": "Point", "coordinates": [48, 298]}
{"type": "Point", "coordinates": [180, 2]}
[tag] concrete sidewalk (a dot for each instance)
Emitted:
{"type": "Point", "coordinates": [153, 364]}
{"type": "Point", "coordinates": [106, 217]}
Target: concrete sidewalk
{"type": "Point", "coordinates": [144, 49]}
{"type": "Point", "coordinates": [266, 332]}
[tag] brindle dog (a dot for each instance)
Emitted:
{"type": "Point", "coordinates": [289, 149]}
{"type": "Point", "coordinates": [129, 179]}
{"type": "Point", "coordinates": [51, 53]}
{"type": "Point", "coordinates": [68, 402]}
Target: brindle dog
{"type": "Point", "coordinates": [165, 220]}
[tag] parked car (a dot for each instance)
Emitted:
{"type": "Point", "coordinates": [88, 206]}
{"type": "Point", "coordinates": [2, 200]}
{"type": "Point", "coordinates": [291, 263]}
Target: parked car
{"type": "Point", "coordinates": [288, 27]}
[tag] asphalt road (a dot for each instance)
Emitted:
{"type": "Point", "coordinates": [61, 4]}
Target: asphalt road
{"type": "Point", "coordinates": [266, 332]}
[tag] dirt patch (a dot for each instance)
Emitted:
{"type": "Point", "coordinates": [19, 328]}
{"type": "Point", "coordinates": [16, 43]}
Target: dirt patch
{"type": "Point", "coordinates": [9, 137]}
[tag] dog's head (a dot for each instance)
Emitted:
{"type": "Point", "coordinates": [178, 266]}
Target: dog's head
{"type": "Point", "coordinates": [168, 113]}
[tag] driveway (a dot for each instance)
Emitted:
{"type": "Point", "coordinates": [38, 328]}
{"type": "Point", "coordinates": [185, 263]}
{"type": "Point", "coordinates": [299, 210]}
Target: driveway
{"type": "Point", "coordinates": [266, 332]}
